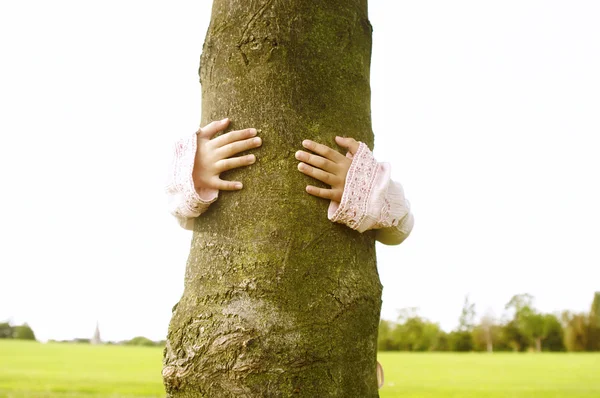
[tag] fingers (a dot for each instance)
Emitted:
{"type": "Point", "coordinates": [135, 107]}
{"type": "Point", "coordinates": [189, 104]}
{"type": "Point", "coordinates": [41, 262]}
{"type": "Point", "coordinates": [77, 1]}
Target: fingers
{"type": "Point", "coordinates": [349, 143]}
{"type": "Point", "coordinates": [317, 161]}
{"type": "Point", "coordinates": [331, 194]}
{"type": "Point", "coordinates": [323, 150]}
{"type": "Point", "coordinates": [233, 136]}
{"type": "Point", "coordinates": [237, 147]}
{"type": "Point", "coordinates": [232, 163]}
{"type": "Point", "coordinates": [223, 185]}
{"type": "Point", "coordinates": [318, 174]}
{"type": "Point", "coordinates": [213, 128]}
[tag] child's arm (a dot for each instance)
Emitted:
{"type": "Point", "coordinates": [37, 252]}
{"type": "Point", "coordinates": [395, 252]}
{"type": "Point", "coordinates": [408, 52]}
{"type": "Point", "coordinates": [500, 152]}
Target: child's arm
{"type": "Point", "coordinates": [362, 194]}
{"type": "Point", "coordinates": [199, 159]}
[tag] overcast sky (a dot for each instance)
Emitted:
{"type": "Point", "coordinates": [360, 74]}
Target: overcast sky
{"type": "Point", "coordinates": [489, 112]}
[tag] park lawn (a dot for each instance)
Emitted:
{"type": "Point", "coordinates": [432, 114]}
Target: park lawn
{"type": "Point", "coordinates": [481, 375]}
{"type": "Point", "coordinates": [34, 370]}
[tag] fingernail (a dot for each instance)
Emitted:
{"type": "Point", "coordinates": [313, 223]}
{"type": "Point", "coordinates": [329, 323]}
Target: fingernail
{"type": "Point", "coordinates": [300, 166]}
{"type": "Point", "coordinates": [238, 185]}
{"type": "Point", "coordinates": [252, 159]}
{"type": "Point", "coordinates": [224, 120]}
{"type": "Point", "coordinates": [257, 141]}
{"type": "Point", "coordinates": [298, 154]}
{"type": "Point", "coordinates": [306, 143]}
{"type": "Point", "coordinates": [253, 131]}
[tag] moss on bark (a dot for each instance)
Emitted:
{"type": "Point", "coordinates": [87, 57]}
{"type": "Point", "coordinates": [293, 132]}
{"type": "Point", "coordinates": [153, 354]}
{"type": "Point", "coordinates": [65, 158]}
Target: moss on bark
{"type": "Point", "coordinates": [278, 300]}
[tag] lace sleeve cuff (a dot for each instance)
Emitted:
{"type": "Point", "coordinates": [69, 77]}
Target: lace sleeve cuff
{"type": "Point", "coordinates": [185, 202]}
{"type": "Point", "coordinates": [353, 208]}
{"type": "Point", "coordinates": [371, 200]}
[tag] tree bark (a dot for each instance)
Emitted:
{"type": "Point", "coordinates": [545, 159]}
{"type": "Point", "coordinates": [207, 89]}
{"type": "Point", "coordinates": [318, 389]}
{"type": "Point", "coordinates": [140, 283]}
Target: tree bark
{"type": "Point", "coordinates": [278, 301]}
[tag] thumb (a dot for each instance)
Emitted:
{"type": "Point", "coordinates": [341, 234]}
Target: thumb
{"type": "Point", "coordinates": [213, 128]}
{"type": "Point", "coordinates": [349, 143]}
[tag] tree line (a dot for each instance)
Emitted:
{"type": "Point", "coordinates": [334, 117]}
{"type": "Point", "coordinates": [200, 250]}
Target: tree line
{"type": "Point", "coordinates": [523, 328]}
{"type": "Point", "coordinates": [137, 341]}
{"type": "Point", "coordinates": [25, 332]}
{"type": "Point", "coordinates": [19, 332]}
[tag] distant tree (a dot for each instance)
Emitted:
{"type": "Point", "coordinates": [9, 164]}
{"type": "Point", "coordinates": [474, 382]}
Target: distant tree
{"type": "Point", "coordinates": [443, 343]}
{"type": "Point", "coordinates": [498, 338]}
{"type": "Point", "coordinates": [413, 333]}
{"type": "Point", "coordinates": [595, 310]}
{"type": "Point", "coordinates": [554, 334]}
{"type": "Point", "coordinates": [141, 341]}
{"type": "Point", "coordinates": [487, 336]}
{"type": "Point", "coordinates": [23, 332]}
{"type": "Point", "coordinates": [385, 340]}
{"type": "Point", "coordinates": [430, 339]}
{"type": "Point", "coordinates": [6, 331]}
{"type": "Point", "coordinates": [518, 302]}
{"type": "Point", "coordinates": [481, 339]}
{"type": "Point", "coordinates": [512, 336]}
{"type": "Point", "coordinates": [487, 325]}
{"type": "Point", "coordinates": [461, 339]}
{"type": "Point", "coordinates": [531, 324]}
{"type": "Point", "coordinates": [576, 328]}
{"type": "Point", "coordinates": [594, 324]}
{"type": "Point", "coordinates": [466, 321]}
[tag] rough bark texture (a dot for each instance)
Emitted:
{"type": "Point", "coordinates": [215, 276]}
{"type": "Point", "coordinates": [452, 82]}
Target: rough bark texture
{"type": "Point", "coordinates": [278, 300]}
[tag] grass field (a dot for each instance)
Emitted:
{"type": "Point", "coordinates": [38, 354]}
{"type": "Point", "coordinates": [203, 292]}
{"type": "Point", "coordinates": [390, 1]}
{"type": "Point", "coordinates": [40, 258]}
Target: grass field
{"type": "Point", "coordinates": [33, 370]}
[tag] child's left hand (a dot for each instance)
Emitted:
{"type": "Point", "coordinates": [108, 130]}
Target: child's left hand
{"type": "Point", "coordinates": [331, 167]}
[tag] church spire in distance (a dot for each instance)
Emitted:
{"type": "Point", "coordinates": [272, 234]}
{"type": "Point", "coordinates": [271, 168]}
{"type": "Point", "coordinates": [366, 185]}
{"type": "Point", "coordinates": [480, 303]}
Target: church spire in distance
{"type": "Point", "coordinates": [96, 339]}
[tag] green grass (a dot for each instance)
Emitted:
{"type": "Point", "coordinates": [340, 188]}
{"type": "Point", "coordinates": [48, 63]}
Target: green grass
{"type": "Point", "coordinates": [33, 370]}
{"type": "Point", "coordinates": [480, 375]}
{"type": "Point", "coordinates": [76, 370]}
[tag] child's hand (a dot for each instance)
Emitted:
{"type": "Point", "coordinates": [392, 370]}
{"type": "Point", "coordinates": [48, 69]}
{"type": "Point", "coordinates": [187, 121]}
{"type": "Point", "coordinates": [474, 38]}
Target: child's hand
{"type": "Point", "coordinates": [331, 167]}
{"type": "Point", "coordinates": [214, 156]}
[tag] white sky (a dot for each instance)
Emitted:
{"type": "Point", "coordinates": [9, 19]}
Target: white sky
{"type": "Point", "coordinates": [488, 111]}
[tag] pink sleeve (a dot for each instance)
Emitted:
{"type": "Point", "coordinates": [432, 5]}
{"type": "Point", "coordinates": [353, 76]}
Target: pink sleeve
{"type": "Point", "coordinates": [371, 200]}
{"type": "Point", "coordinates": [185, 203]}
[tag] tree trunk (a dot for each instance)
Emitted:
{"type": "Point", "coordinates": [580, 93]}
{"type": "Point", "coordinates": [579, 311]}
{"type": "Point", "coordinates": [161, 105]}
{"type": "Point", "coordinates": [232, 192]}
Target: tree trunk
{"type": "Point", "coordinates": [538, 344]}
{"type": "Point", "coordinates": [488, 339]}
{"type": "Point", "coordinates": [279, 301]}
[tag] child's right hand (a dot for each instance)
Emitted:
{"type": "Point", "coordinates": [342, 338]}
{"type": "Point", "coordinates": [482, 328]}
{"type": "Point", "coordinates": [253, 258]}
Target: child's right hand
{"type": "Point", "coordinates": [214, 156]}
